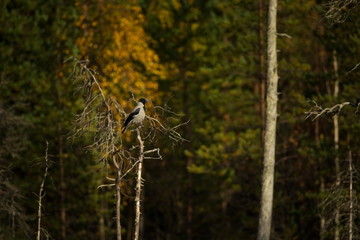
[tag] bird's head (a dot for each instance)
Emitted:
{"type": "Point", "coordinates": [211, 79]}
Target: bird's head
{"type": "Point", "coordinates": [143, 100]}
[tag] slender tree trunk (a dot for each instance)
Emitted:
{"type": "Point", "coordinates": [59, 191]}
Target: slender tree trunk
{"type": "Point", "coordinates": [118, 203]}
{"type": "Point", "coordinates": [270, 128]}
{"type": "Point", "coordinates": [62, 182]}
{"type": "Point", "coordinates": [262, 82]}
{"type": "Point", "coordinates": [322, 181]}
{"type": "Point", "coordinates": [336, 143]}
{"type": "Point", "coordinates": [138, 186]}
{"type": "Point", "coordinates": [189, 160]}
{"type": "Point", "coordinates": [41, 193]}
{"type": "Point", "coordinates": [351, 207]}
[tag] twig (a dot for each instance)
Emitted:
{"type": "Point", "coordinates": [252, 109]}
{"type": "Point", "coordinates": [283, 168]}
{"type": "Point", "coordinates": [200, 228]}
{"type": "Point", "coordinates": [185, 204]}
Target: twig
{"type": "Point", "coordinates": [338, 10]}
{"type": "Point", "coordinates": [317, 111]}
{"type": "Point", "coordinates": [106, 185]}
{"type": "Point", "coordinates": [101, 113]}
{"type": "Point", "coordinates": [41, 192]}
{"type": "Point", "coordinates": [157, 150]}
{"type": "Point", "coordinates": [284, 35]}
{"type": "Point", "coordinates": [354, 68]}
{"type": "Point", "coordinates": [130, 169]}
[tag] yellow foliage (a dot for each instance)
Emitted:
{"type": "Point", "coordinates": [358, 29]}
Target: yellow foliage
{"type": "Point", "coordinates": [115, 37]}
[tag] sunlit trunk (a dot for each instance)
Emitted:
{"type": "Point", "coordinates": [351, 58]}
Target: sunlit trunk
{"type": "Point", "coordinates": [264, 228]}
{"type": "Point", "coordinates": [138, 187]}
{"type": "Point", "coordinates": [336, 143]}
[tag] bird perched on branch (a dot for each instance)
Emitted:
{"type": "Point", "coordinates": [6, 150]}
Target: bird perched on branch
{"type": "Point", "coordinates": [137, 115]}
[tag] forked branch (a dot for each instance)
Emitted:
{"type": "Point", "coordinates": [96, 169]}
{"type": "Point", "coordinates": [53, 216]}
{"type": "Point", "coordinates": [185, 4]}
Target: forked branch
{"type": "Point", "coordinates": [317, 111]}
{"type": "Point", "coordinates": [338, 10]}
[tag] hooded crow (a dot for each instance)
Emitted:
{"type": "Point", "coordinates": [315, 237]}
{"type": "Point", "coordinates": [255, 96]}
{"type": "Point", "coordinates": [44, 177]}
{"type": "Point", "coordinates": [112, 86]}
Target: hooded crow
{"type": "Point", "coordinates": [136, 116]}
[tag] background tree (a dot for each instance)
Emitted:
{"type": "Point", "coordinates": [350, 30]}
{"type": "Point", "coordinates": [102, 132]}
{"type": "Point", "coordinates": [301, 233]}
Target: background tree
{"type": "Point", "coordinates": [270, 127]}
{"type": "Point", "coordinates": [202, 59]}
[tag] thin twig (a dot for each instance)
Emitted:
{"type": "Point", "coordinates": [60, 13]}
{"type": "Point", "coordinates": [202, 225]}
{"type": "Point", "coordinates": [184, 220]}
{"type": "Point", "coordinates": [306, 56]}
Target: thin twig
{"type": "Point", "coordinates": [317, 111]}
{"type": "Point", "coordinates": [41, 192]}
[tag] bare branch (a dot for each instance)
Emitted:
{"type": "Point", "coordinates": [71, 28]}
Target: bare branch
{"type": "Point", "coordinates": [41, 192]}
{"type": "Point", "coordinates": [100, 116]}
{"type": "Point", "coordinates": [340, 201]}
{"type": "Point", "coordinates": [354, 68]}
{"type": "Point", "coordinates": [106, 185]}
{"type": "Point", "coordinates": [157, 150]}
{"type": "Point", "coordinates": [317, 111]}
{"type": "Point", "coordinates": [168, 131]}
{"type": "Point", "coordinates": [338, 10]}
{"type": "Point", "coordinates": [284, 35]}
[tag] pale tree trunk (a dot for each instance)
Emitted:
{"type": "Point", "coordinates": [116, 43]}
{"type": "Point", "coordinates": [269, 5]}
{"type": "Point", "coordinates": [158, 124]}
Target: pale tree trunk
{"type": "Point", "coordinates": [322, 181]}
{"type": "Point", "coordinates": [42, 194]}
{"type": "Point", "coordinates": [138, 186]}
{"type": "Point", "coordinates": [351, 204]}
{"type": "Point", "coordinates": [270, 128]}
{"type": "Point", "coordinates": [118, 203]}
{"type": "Point", "coordinates": [336, 142]}
{"type": "Point", "coordinates": [62, 183]}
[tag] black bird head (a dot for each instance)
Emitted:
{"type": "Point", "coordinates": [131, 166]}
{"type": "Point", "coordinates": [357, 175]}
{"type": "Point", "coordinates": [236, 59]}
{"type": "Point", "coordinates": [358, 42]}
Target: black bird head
{"type": "Point", "coordinates": [143, 100]}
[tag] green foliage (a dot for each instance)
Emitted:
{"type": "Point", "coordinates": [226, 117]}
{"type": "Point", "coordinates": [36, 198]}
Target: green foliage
{"type": "Point", "coordinates": [201, 59]}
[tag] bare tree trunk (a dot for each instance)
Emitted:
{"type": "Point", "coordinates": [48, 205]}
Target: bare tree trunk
{"type": "Point", "coordinates": [118, 203]}
{"type": "Point", "coordinates": [351, 207]}
{"type": "Point", "coordinates": [270, 128]}
{"type": "Point", "coordinates": [262, 82]}
{"type": "Point", "coordinates": [336, 142]}
{"type": "Point", "coordinates": [322, 181]}
{"type": "Point", "coordinates": [138, 186]}
{"type": "Point", "coordinates": [41, 193]}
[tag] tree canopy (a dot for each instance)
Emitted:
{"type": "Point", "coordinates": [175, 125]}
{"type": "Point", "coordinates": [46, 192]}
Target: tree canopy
{"type": "Point", "coordinates": [200, 61]}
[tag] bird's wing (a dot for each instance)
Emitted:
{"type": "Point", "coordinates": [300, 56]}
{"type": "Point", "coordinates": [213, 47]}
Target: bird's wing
{"type": "Point", "coordinates": [130, 117]}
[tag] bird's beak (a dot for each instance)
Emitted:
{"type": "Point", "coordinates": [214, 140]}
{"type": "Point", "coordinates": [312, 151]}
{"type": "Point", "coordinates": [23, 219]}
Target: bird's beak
{"type": "Point", "coordinates": [148, 100]}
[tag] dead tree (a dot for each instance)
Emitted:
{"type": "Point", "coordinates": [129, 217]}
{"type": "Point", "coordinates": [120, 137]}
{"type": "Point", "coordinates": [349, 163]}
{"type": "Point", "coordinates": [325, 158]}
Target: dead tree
{"type": "Point", "coordinates": [42, 195]}
{"type": "Point", "coordinates": [104, 116]}
{"type": "Point", "coordinates": [336, 139]}
{"type": "Point", "coordinates": [156, 126]}
{"type": "Point", "coordinates": [341, 202]}
{"type": "Point", "coordinates": [139, 180]}
{"type": "Point", "coordinates": [99, 116]}
{"type": "Point", "coordinates": [13, 219]}
{"type": "Point", "coordinates": [270, 128]}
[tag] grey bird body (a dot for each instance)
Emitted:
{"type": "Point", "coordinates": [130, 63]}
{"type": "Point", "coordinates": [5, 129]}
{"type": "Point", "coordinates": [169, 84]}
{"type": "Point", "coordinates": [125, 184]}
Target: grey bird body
{"type": "Point", "coordinates": [136, 116]}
